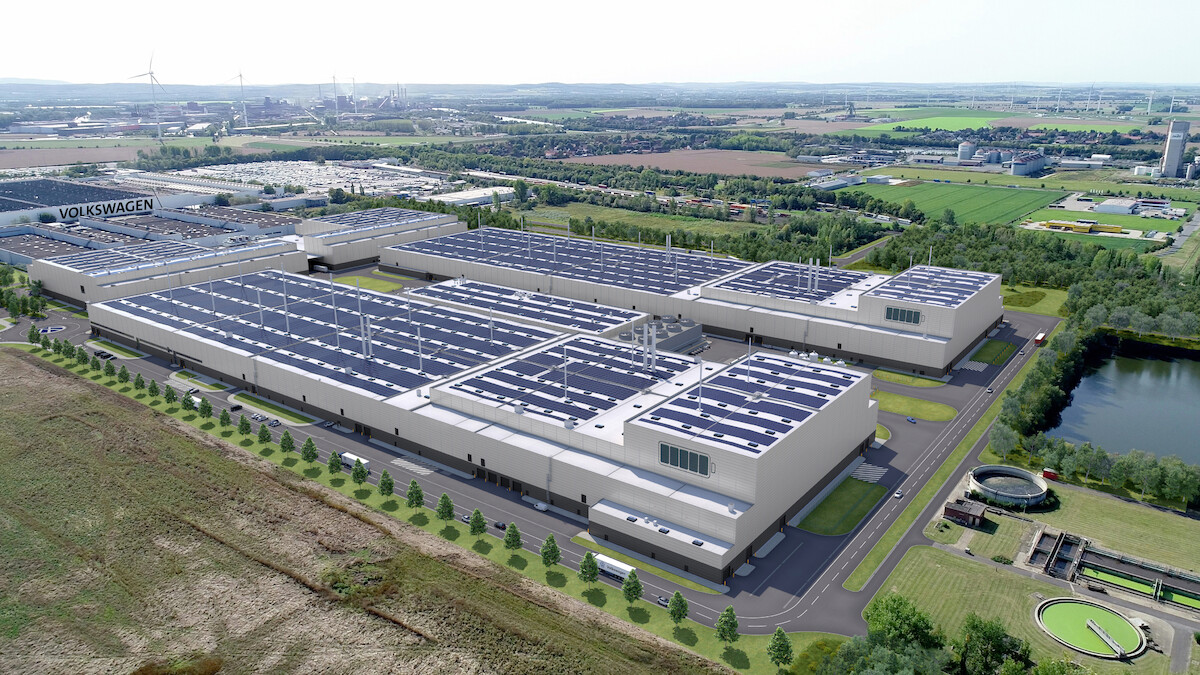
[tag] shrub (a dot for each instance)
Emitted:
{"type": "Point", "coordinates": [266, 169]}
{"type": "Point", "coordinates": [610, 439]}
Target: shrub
{"type": "Point", "coordinates": [1002, 559]}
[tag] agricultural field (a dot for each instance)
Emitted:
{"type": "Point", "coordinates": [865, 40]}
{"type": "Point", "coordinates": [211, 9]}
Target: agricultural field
{"type": "Point", "coordinates": [1119, 127]}
{"type": "Point", "coordinates": [1113, 243]}
{"type": "Point", "coordinates": [187, 554]}
{"type": "Point", "coordinates": [554, 114]}
{"type": "Point", "coordinates": [925, 113]}
{"type": "Point", "coordinates": [944, 123]}
{"type": "Point", "coordinates": [1107, 180]}
{"type": "Point", "coordinates": [1127, 222]}
{"type": "Point", "coordinates": [18, 153]}
{"type": "Point", "coordinates": [970, 203]}
{"type": "Point", "coordinates": [950, 587]}
{"type": "Point", "coordinates": [733, 162]}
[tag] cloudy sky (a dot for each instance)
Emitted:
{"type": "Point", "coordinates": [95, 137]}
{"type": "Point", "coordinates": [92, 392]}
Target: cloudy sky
{"type": "Point", "coordinates": [466, 41]}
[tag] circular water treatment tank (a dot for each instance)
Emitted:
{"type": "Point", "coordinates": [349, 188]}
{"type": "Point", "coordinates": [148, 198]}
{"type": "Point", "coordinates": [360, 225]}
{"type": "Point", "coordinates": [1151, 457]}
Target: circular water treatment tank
{"type": "Point", "coordinates": [1007, 484]}
{"type": "Point", "coordinates": [687, 323]}
{"type": "Point", "coordinates": [1090, 628]}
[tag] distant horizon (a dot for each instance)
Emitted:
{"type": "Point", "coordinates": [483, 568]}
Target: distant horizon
{"type": "Point", "coordinates": [625, 42]}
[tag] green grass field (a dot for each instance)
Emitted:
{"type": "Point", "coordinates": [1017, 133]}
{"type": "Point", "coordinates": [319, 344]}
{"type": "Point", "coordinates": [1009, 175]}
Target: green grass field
{"type": "Point", "coordinates": [936, 111]}
{"type": "Point", "coordinates": [1127, 222]}
{"type": "Point", "coordinates": [1119, 127]}
{"type": "Point", "coordinates": [273, 146]}
{"type": "Point", "coordinates": [1106, 180]}
{"type": "Point", "coordinates": [118, 349]}
{"type": "Point", "coordinates": [1002, 536]}
{"type": "Point", "coordinates": [61, 307]}
{"type": "Point", "coordinates": [995, 352]}
{"type": "Point", "coordinates": [971, 203]}
{"type": "Point", "coordinates": [944, 532]}
{"type": "Point", "coordinates": [642, 566]}
{"type": "Point", "coordinates": [746, 655]}
{"type": "Point", "coordinates": [1036, 300]}
{"type": "Point", "coordinates": [882, 433]}
{"type": "Point", "coordinates": [554, 114]}
{"type": "Point", "coordinates": [913, 407]}
{"type": "Point", "coordinates": [875, 557]}
{"type": "Point", "coordinates": [939, 122]}
{"type": "Point", "coordinates": [905, 378]}
{"type": "Point", "coordinates": [370, 283]}
{"type": "Point", "coordinates": [949, 587]}
{"type": "Point", "coordinates": [842, 510]}
{"type": "Point", "coordinates": [874, 133]}
{"type": "Point", "coordinates": [273, 408]}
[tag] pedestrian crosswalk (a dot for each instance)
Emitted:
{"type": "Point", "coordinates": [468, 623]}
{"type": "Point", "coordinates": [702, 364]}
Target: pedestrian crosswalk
{"type": "Point", "coordinates": [869, 473]}
{"type": "Point", "coordinates": [415, 467]}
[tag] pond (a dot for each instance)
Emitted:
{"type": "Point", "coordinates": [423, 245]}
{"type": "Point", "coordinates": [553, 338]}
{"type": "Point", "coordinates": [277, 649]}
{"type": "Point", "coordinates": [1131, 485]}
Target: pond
{"type": "Point", "coordinates": [1130, 403]}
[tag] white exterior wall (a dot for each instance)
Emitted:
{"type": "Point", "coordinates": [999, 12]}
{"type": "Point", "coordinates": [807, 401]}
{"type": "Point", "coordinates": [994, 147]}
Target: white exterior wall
{"type": "Point", "coordinates": [337, 250]}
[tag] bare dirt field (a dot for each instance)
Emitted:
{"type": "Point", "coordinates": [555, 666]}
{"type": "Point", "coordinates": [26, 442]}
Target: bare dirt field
{"type": "Point", "coordinates": [735, 162]}
{"type": "Point", "coordinates": [132, 541]}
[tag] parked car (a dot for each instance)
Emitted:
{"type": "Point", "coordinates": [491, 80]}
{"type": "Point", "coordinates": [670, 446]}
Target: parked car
{"type": "Point", "coordinates": [274, 423]}
{"type": "Point", "coordinates": [235, 407]}
{"type": "Point", "coordinates": [898, 494]}
{"type": "Point", "coordinates": [258, 418]}
{"type": "Point", "coordinates": [910, 420]}
{"type": "Point", "coordinates": [541, 506]}
{"type": "Point", "coordinates": [501, 525]}
{"type": "Point", "coordinates": [328, 424]}
{"type": "Point", "coordinates": [663, 600]}
{"type": "Point", "coordinates": [193, 390]}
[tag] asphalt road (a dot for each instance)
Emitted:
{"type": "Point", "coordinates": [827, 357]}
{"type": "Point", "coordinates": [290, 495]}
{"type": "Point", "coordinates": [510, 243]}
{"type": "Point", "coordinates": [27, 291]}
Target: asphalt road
{"type": "Point", "coordinates": [798, 586]}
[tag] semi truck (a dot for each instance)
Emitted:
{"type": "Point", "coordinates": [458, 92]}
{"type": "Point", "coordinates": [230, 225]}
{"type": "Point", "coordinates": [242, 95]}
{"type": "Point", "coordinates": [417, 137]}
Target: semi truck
{"type": "Point", "coordinates": [613, 568]}
{"type": "Point", "coordinates": [348, 460]}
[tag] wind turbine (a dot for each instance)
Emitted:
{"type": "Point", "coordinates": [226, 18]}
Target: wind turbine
{"type": "Point", "coordinates": [153, 96]}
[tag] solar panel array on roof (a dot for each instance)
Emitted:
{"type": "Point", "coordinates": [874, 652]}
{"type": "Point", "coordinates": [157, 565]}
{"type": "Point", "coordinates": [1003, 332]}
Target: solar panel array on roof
{"type": "Point", "coordinates": [933, 286]}
{"type": "Point", "coordinates": [573, 381]}
{"type": "Point", "coordinates": [793, 281]}
{"type": "Point", "coordinates": [580, 316]}
{"type": "Point", "coordinates": [620, 265]}
{"type": "Point", "coordinates": [125, 256]}
{"type": "Point", "coordinates": [320, 329]}
{"type": "Point", "coordinates": [751, 404]}
{"type": "Point", "coordinates": [37, 246]}
{"type": "Point", "coordinates": [388, 215]}
{"type": "Point", "coordinates": [263, 219]}
{"type": "Point", "coordinates": [168, 226]}
{"type": "Point", "coordinates": [27, 194]}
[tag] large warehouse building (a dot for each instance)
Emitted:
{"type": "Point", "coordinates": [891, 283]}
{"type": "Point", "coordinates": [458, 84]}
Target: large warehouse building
{"type": "Point", "coordinates": [28, 199]}
{"type": "Point", "coordinates": [923, 320]}
{"type": "Point", "coordinates": [693, 463]}
{"type": "Point", "coordinates": [356, 237]}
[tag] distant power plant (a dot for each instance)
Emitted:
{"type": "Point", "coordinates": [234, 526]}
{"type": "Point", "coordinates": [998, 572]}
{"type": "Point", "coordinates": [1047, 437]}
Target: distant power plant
{"type": "Point", "coordinates": [1177, 135]}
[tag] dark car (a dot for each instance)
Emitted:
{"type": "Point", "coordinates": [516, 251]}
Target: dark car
{"type": "Point", "coordinates": [235, 407]}
{"type": "Point", "coordinates": [501, 525]}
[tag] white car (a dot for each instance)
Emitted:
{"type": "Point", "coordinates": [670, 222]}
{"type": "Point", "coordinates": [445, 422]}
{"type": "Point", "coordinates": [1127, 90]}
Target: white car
{"type": "Point", "coordinates": [898, 494]}
{"type": "Point", "coordinates": [541, 506]}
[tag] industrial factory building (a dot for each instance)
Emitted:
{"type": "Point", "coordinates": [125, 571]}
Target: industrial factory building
{"type": "Point", "coordinates": [923, 320]}
{"type": "Point", "coordinates": [693, 463]}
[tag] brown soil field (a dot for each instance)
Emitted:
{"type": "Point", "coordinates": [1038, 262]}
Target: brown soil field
{"type": "Point", "coordinates": [19, 159]}
{"type": "Point", "coordinates": [133, 542]}
{"type": "Point", "coordinates": [1026, 122]}
{"type": "Point", "coordinates": [735, 162]}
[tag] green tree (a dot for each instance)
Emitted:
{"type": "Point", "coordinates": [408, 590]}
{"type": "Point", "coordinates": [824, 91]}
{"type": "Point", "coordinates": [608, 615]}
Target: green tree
{"type": "Point", "coordinates": [727, 626]}
{"type": "Point", "coordinates": [359, 473]}
{"type": "Point", "coordinates": [589, 571]}
{"type": "Point", "coordinates": [477, 523]}
{"type": "Point", "coordinates": [779, 649]}
{"type": "Point", "coordinates": [387, 486]}
{"type": "Point", "coordinates": [32, 335]}
{"type": "Point", "coordinates": [982, 645]}
{"type": "Point", "coordinates": [225, 419]}
{"type": "Point", "coordinates": [81, 359]}
{"type": "Point", "coordinates": [1003, 439]}
{"type": "Point", "coordinates": [139, 382]}
{"type": "Point", "coordinates": [496, 201]}
{"type": "Point", "coordinates": [286, 442]}
{"type": "Point", "coordinates": [550, 554]}
{"type": "Point", "coordinates": [512, 538]}
{"type": "Point", "coordinates": [521, 191]}
{"type": "Point", "coordinates": [56, 346]}
{"type": "Point", "coordinates": [948, 217]}
{"type": "Point", "coordinates": [445, 508]}
{"type": "Point", "coordinates": [893, 621]}
{"type": "Point", "coordinates": [264, 433]}
{"type": "Point", "coordinates": [95, 364]}
{"type": "Point", "coordinates": [308, 452]}
{"type": "Point", "coordinates": [335, 463]}
{"type": "Point", "coordinates": [677, 608]}
{"type": "Point", "coordinates": [109, 369]}
{"type": "Point", "coordinates": [45, 342]}
{"type": "Point", "coordinates": [205, 408]}
{"type": "Point", "coordinates": [632, 588]}
{"type": "Point", "coordinates": [169, 394]}
{"type": "Point", "coordinates": [244, 428]}
{"type": "Point", "coordinates": [187, 402]}
{"type": "Point", "coordinates": [415, 496]}
{"type": "Point", "coordinates": [123, 375]}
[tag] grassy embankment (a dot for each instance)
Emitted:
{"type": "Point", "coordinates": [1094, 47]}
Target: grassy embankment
{"type": "Point", "coordinates": [841, 511]}
{"type": "Point", "coordinates": [913, 407]}
{"type": "Point", "coordinates": [274, 408]}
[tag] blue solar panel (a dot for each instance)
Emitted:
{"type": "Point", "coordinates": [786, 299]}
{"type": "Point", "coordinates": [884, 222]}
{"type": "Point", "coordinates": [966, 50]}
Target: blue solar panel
{"type": "Point", "coordinates": [939, 286]}
{"type": "Point", "coordinates": [793, 281]}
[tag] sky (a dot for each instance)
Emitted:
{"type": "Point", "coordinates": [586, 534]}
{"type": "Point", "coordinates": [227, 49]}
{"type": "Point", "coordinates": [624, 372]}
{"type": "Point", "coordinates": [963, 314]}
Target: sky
{"type": "Point", "coordinates": [614, 41]}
